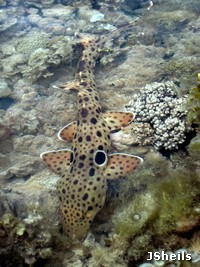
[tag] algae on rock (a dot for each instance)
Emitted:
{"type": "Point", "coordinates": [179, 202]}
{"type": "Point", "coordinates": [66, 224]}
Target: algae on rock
{"type": "Point", "coordinates": [193, 106]}
{"type": "Point", "coordinates": [58, 50]}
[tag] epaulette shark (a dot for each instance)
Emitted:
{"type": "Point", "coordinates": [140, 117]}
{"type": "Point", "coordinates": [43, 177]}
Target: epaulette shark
{"type": "Point", "coordinates": [86, 167]}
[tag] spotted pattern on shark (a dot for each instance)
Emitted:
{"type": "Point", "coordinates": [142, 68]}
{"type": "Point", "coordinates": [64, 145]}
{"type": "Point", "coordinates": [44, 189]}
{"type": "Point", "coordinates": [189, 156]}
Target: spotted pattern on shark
{"type": "Point", "coordinates": [86, 167]}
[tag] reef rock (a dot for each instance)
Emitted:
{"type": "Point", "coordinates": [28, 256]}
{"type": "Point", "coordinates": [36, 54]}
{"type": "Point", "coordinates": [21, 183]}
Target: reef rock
{"type": "Point", "coordinates": [4, 130]}
{"type": "Point", "coordinates": [4, 89]}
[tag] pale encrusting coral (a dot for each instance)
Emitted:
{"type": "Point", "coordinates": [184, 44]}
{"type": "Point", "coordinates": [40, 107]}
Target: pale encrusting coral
{"type": "Point", "coordinates": [157, 208]}
{"type": "Point", "coordinates": [159, 105]}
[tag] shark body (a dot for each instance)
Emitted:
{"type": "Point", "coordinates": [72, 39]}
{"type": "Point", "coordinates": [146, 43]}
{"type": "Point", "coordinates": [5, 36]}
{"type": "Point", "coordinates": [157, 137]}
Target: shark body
{"type": "Point", "coordinates": [85, 168]}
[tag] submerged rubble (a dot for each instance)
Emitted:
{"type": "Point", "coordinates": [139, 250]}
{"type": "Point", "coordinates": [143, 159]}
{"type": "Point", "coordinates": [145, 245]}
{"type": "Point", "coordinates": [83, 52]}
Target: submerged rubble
{"type": "Point", "coordinates": [159, 105]}
{"type": "Point", "coordinates": [158, 207]}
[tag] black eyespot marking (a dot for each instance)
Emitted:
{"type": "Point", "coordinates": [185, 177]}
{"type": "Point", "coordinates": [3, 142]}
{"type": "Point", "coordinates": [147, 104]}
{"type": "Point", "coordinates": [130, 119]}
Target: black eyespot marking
{"type": "Point", "coordinates": [92, 172]}
{"type": "Point", "coordinates": [84, 112]}
{"type": "Point", "coordinates": [63, 191]}
{"type": "Point", "coordinates": [100, 147]}
{"type": "Point", "coordinates": [93, 121]}
{"type": "Point", "coordinates": [88, 138]}
{"type": "Point", "coordinates": [75, 182]}
{"type": "Point", "coordinates": [90, 208]}
{"type": "Point", "coordinates": [71, 170]}
{"type": "Point", "coordinates": [86, 99]}
{"type": "Point", "coordinates": [100, 157]}
{"type": "Point", "coordinates": [96, 98]}
{"type": "Point", "coordinates": [99, 134]}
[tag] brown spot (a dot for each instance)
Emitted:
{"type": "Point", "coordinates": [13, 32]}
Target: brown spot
{"type": "Point", "coordinates": [85, 197]}
{"type": "Point", "coordinates": [82, 157]}
{"type": "Point", "coordinates": [83, 84]}
{"type": "Point", "coordinates": [84, 112]}
{"type": "Point", "coordinates": [99, 134]}
{"type": "Point", "coordinates": [80, 165]}
{"type": "Point", "coordinates": [80, 139]}
{"type": "Point", "coordinates": [93, 121]}
{"type": "Point", "coordinates": [81, 65]}
{"type": "Point", "coordinates": [88, 138]}
{"type": "Point", "coordinates": [92, 172]}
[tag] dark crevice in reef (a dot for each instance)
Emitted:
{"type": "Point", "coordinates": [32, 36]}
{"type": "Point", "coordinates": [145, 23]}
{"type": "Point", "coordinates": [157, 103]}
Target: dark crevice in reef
{"type": "Point", "coordinates": [6, 102]}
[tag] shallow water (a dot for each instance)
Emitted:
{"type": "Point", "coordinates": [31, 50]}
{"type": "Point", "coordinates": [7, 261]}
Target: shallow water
{"type": "Point", "coordinates": [150, 70]}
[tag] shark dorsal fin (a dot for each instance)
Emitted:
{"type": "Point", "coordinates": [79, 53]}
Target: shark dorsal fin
{"type": "Point", "coordinates": [67, 132]}
{"type": "Point", "coordinates": [57, 161]}
{"type": "Point", "coordinates": [118, 120]}
{"type": "Point", "coordinates": [119, 165]}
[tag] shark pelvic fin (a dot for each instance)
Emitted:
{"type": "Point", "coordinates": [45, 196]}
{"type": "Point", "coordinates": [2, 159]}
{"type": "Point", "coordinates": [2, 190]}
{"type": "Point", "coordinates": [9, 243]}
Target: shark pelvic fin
{"type": "Point", "coordinates": [67, 132]}
{"type": "Point", "coordinates": [119, 165]}
{"type": "Point", "coordinates": [57, 161]}
{"type": "Point", "coordinates": [118, 120]}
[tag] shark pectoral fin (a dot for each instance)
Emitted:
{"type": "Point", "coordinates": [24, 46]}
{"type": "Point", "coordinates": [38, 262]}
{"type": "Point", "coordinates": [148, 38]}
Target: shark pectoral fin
{"type": "Point", "coordinates": [118, 120]}
{"type": "Point", "coordinates": [74, 86]}
{"type": "Point", "coordinates": [67, 132]}
{"type": "Point", "coordinates": [57, 161]}
{"type": "Point", "coordinates": [119, 165]}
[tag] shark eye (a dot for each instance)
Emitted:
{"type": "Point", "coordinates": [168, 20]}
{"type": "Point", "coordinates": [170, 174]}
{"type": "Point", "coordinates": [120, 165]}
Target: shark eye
{"type": "Point", "coordinates": [71, 157]}
{"type": "Point", "coordinates": [100, 158]}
